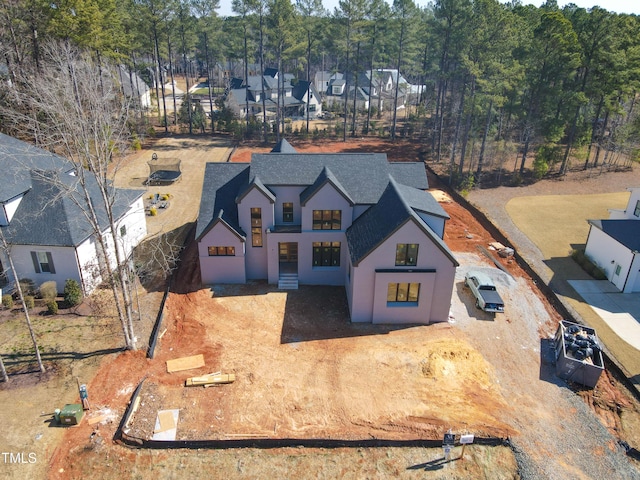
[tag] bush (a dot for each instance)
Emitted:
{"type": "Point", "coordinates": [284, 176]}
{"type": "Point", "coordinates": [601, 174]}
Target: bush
{"type": "Point", "coordinates": [7, 301]}
{"type": "Point", "coordinates": [52, 307]}
{"type": "Point", "coordinates": [27, 286]}
{"type": "Point", "coordinates": [72, 293]}
{"type": "Point", "coordinates": [49, 290]}
{"type": "Point", "coordinates": [29, 301]}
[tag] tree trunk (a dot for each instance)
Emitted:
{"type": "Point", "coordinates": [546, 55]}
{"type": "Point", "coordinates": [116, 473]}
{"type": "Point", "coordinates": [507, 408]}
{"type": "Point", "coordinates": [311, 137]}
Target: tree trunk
{"type": "Point", "coordinates": [173, 81]}
{"type": "Point", "coordinates": [484, 142]}
{"type": "Point", "coordinates": [12, 267]}
{"type": "Point", "coordinates": [594, 129]}
{"type": "Point", "coordinates": [452, 158]}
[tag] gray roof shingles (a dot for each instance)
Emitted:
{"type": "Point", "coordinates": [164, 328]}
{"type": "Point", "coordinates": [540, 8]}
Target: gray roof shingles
{"type": "Point", "coordinates": [222, 184]}
{"type": "Point", "coordinates": [53, 211]}
{"type": "Point", "coordinates": [381, 220]}
{"type": "Point", "coordinates": [625, 231]}
{"type": "Point", "coordinates": [17, 159]}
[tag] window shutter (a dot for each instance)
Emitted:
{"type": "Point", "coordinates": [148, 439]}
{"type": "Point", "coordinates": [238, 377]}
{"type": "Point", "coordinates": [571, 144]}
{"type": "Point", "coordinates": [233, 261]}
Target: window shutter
{"type": "Point", "coordinates": [52, 269]}
{"type": "Point", "coordinates": [36, 265]}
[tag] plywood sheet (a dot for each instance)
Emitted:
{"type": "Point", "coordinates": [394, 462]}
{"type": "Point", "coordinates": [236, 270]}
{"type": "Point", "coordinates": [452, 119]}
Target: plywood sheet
{"type": "Point", "coordinates": [185, 363]}
{"type": "Point", "coordinates": [166, 425]}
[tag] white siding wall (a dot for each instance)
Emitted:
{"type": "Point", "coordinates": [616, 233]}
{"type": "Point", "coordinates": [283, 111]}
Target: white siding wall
{"type": "Point", "coordinates": [135, 224]}
{"type": "Point", "coordinates": [256, 257]}
{"type": "Point", "coordinates": [87, 255]}
{"type": "Point", "coordinates": [64, 261]}
{"type": "Point", "coordinates": [608, 253]}
{"type": "Point", "coordinates": [218, 269]}
{"type": "Point", "coordinates": [628, 212]}
{"type": "Point", "coordinates": [435, 291]}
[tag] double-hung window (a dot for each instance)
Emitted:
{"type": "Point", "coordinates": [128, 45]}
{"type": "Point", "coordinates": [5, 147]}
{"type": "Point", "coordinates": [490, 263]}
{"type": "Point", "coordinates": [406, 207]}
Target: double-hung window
{"type": "Point", "coordinates": [43, 262]}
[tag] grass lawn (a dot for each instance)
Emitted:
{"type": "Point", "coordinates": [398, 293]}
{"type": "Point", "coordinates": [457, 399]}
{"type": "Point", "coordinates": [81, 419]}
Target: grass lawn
{"type": "Point", "coordinates": [556, 222]}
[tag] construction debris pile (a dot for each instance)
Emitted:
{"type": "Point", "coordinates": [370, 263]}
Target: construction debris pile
{"type": "Point", "coordinates": [578, 354]}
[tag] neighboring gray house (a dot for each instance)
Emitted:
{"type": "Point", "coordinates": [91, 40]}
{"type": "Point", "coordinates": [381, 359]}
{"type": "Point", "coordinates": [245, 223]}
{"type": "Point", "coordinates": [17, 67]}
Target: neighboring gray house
{"type": "Point", "coordinates": [294, 97]}
{"type": "Point", "coordinates": [614, 244]}
{"type": "Point", "coordinates": [42, 218]}
{"type": "Point", "coordinates": [354, 220]}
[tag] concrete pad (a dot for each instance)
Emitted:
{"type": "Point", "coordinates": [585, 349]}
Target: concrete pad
{"type": "Point", "coordinates": [621, 311]}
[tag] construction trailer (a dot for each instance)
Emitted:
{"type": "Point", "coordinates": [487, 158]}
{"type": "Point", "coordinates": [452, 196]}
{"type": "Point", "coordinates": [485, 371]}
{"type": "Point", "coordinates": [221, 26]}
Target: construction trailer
{"type": "Point", "coordinates": [578, 354]}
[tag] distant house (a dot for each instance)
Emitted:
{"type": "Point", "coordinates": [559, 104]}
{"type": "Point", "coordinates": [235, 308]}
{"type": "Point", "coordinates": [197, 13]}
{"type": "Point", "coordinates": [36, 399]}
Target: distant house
{"type": "Point", "coordinates": [42, 218]}
{"type": "Point", "coordinates": [293, 98]}
{"type": "Point", "coordinates": [614, 244]}
{"type": "Point", "coordinates": [134, 87]}
{"type": "Point", "coordinates": [353, 220]}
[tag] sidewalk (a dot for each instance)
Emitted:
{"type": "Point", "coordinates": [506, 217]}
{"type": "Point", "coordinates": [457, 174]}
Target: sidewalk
{"type": "Point", "coordinates": [621, 311]}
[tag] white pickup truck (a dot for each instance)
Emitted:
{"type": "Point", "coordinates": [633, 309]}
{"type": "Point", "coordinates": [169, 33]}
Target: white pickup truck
{"type": "Point", "coordinates": [483, 288]}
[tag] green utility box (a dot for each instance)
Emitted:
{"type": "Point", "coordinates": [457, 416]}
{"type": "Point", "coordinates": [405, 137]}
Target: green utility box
{"type": "Point", "coordinates": [71, 414]}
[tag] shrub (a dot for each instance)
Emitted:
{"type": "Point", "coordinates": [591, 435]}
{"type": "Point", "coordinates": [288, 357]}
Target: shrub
{"type": "Point", "coordinates": [29, 301]}
{"type": "Point", "coordinates": [153, 211]}
{"type": "Point", "coordinates": [27, 286]}
{"type": "Point", "coordinates": [72, 293]}
{"type": "Point", "coordinates": [49, 290]}
{"type": "Point", "coordinates": [52, 307]}
{"type": "Point", "coordinates": [7, 301]}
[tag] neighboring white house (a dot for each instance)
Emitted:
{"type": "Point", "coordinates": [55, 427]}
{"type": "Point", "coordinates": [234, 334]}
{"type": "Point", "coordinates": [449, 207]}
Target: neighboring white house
{"type": "Point", "coordinates": [614, 244]}
{"type": "Point", "coordinates": [42, 218]}
{"type": "Point", "coordinates": [353, 220]}
{"type": "Point", "coordinates": [134, 87]}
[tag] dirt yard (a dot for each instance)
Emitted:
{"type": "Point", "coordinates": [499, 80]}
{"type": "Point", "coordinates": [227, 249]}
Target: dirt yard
{"type": "Point", "coordinates": [304, 371]}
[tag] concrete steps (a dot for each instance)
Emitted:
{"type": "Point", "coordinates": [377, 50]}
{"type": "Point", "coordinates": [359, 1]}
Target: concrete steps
{"type": "Point", "coordinates": [288, 281]}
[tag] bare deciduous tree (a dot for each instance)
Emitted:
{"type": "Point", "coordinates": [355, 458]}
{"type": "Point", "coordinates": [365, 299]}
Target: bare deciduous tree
{"type": "Point", "coordinates": [73, 107]}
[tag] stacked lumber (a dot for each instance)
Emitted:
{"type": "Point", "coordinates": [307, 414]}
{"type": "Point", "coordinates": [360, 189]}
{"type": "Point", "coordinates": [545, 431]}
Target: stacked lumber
{"type": "Point", "coordinates": [210, 379]}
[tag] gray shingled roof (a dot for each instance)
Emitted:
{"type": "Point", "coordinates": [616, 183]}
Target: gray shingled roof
{"type": "Point", "coordinates": [364, 176]}
{"type": "Point", "coordinates": [410, 173]}
{"type": "Point", "coordinates": [52, 212]}
{"type": "Point", "coordinates": [375, 225]}
{"type": "Point", "coordinates": [283, 147]}
{"type": "Point", "coordinates": [17, 159]}
{"type": "Point", "coordinates": [417, 200]}
{"type": "Point", "coordinates": [625, 231]}
{"type": "Point", "coordinates": [222, 183]}
{"type": "Point", "coordinates": [256, 183]}
{"type": "Point", "coordinates": [325, 176]}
